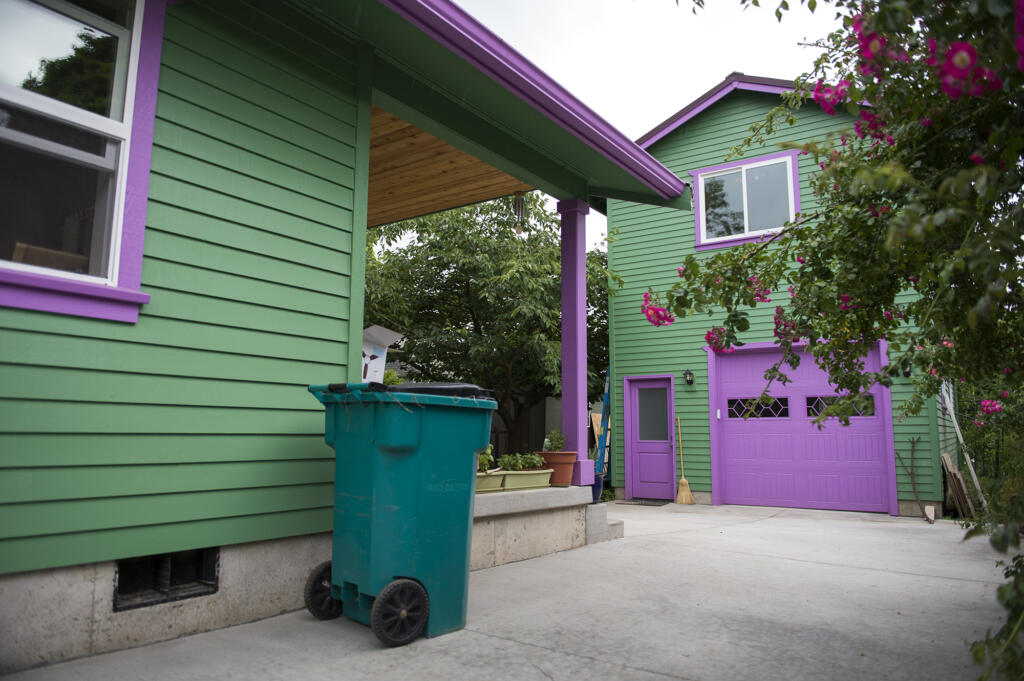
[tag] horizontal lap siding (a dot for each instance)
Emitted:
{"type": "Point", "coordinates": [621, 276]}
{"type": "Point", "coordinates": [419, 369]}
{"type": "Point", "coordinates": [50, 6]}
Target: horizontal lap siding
{"type": "Point", "coordinates": [652, 242]}
{"type": "Point", "coordinates": [194, 427]}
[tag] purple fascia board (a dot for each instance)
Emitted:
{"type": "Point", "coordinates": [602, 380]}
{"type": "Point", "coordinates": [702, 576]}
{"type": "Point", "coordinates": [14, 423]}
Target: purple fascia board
{"type": "Point", "coordinates": [469, 39]}
{"type": "Point", "coordinates": [32, 291]}
{"type": "Point", "coordinates": [735, 81]}
{"type": "Point", "coordinates": [725, 243]}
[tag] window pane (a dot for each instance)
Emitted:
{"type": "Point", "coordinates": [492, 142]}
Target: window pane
{"type": "Point", "coordinates": [767, 196]}
{"type": "Point", "coordinates": [15, 118]}
{"type": "Point", "coordinates": [723, 205]}
{"type": "Point", "coordinates": [53, 213]}
{"type": "Point", "coordinates": [652, 413]}
{"type": "Point", "coordinates": [57, 56]}
{"type": "Point", "coordinates": [744, 408]}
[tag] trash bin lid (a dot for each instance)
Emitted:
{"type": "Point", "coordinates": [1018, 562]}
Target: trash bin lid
{"type": "Point", "coordinates": [438, 388]}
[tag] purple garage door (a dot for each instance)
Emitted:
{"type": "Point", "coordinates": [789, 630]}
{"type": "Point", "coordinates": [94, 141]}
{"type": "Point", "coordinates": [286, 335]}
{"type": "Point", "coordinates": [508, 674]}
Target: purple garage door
{"type": "Point", "coordinates": [778, 457]}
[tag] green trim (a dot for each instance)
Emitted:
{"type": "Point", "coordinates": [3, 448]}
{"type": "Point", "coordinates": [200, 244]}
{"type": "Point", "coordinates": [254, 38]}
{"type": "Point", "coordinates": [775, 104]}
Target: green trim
{"type": "Point", "coordinates": [364, 82]}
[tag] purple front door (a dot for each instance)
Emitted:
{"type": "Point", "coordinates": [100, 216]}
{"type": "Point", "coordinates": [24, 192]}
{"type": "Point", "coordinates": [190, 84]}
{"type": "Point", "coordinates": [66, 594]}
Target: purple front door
{"type": "Point", "coordinates": [778, 457]}
{"type": "Point", "coordinates": [649, 436]}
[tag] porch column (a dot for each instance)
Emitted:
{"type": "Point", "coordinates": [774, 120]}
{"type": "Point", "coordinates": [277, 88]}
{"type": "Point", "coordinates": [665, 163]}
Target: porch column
{"type": "Point", "coordinates": [574, 336]}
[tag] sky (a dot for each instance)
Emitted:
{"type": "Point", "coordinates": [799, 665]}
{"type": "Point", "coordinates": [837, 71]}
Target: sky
{"type": "Point", "coordinates": [637, 62]}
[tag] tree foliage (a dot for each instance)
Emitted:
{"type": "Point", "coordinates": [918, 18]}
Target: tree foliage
{"type": "Point", "coordinates": [479, 302]}
{"type": "Point", "coordinates": [918, 238]}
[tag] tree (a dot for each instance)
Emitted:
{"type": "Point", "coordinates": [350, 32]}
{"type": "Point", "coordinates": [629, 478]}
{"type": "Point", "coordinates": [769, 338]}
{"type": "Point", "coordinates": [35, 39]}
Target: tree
{"type": "Point", "coordinates": [83, 78]}
{"type": "Point", "coordinates": [480, 302]}
{"type": "Point", "coordinates": [918, 239]}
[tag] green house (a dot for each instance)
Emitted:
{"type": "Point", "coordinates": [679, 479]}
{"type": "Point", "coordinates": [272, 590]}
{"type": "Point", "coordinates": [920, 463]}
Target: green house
{"type": "Point", "coordinates": [185, 189]}
{"type": "Point", "coordinates": [674, 396]}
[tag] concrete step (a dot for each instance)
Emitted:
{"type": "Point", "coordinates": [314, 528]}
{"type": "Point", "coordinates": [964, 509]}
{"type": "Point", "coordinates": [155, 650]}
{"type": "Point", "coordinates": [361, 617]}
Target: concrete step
{"type": "Point", "coordinates": [616, 529]}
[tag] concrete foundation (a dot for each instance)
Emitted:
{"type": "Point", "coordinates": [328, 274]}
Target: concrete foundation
{"type": "Point", "coordinates": [910, 508]}
{"type": "Point", "coordinates": [53, 615]}
{"type": "Point", "coordinates": [48, 616]}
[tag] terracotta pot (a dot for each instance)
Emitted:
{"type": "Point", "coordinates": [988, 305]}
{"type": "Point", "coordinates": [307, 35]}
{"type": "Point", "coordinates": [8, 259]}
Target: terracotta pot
{"type": "Point", "coordinates": [562, 463]}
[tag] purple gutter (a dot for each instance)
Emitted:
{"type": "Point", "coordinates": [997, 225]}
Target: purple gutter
{"type": "Point", "coordinates": [465, 36]}
{"type": "Point", "coordinates": [734, 81]}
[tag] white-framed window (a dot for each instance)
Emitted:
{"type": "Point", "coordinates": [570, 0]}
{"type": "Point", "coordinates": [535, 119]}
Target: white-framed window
{"type": "Point", "coordinates": [67, 82]}
{"type": "Point", "coordinates": [744, 200]}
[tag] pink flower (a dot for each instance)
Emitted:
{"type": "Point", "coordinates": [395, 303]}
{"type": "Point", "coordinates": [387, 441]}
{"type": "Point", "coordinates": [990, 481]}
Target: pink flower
{"type": "Point", "coordinates": [977, 158]}
{"type": "Point", "coordinates": [926, 122]}
{"type": "Point", "coordinates": [980, 424]}
{"type": "Point", "coordinates": [800, 259]}
{"type": "Point", "coordinates": [715, 338]}
{"type": "Point", "coordinates": [680, 270]}
{"type": "Point", "coordinates": [658, 316]}
{"type": "Point", "coordinates": [828, 97]}
{"type": "Point", "coordinates": [947, 343]}
{"type": "Point", "coordinates": [1004, 394]}
{"type": "Point", "coordinates": [960, 59]}
{"type": "Point", "coordinates": [933, 49]}
{"type": "Point", "coordinates": [991, 407]}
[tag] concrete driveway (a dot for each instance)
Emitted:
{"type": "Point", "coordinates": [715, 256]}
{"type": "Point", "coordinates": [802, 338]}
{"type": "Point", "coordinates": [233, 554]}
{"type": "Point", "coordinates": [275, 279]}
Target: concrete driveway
{"type": "Point", "coordinates": [692, 592]}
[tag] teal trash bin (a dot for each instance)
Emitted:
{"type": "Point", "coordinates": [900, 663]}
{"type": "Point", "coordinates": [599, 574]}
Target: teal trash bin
{"type": "Point", "coordinates": [404, 482]}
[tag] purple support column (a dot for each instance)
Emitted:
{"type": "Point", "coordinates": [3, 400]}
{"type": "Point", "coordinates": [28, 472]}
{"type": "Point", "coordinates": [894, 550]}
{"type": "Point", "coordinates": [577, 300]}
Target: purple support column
{"type": "Point", "coordinates": [574, 336]}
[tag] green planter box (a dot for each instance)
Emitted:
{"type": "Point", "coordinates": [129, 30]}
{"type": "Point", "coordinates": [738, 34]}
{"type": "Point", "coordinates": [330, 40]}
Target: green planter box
{"type": "Point", "coordinates": [527, 479]}
{"type": "Point", "coordinates": [489, 482]}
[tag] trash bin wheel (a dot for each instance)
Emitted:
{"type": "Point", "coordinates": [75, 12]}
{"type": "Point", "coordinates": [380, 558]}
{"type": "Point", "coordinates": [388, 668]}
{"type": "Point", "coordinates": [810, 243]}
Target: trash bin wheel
{"type": "Point", "coordinates": [317, 593]}
{"type": "Point", "coordinates": [400, 612]}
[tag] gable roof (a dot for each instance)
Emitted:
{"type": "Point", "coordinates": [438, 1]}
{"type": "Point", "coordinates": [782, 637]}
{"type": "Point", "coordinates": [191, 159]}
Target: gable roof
{"type": "Point", "coordinates": [734, 81]}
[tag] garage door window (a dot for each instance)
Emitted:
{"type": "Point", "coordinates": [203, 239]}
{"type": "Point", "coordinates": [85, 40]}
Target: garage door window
{"type": "Point", "coordinates": [749, 407]}
{"type": "Point", "coordinates": [816, 404]}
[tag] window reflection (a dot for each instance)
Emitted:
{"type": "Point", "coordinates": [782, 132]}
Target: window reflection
{"type": "Point", "coordinates": [57, 56]}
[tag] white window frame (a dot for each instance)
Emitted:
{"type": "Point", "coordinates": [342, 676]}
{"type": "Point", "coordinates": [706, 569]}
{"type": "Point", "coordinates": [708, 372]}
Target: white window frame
{"type": "Point", "coordinates": [116, 128]}
{"type": "Point", "coordinates": [743, 167]}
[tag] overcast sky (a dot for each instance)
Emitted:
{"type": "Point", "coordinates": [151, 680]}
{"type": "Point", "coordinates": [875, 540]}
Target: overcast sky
{"type": "Point", "coordinates": [636, 62]}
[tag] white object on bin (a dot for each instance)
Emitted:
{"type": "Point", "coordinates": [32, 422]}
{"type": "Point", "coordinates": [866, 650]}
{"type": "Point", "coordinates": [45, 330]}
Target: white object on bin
{"type": "Point", "coordinates": [376, 340]}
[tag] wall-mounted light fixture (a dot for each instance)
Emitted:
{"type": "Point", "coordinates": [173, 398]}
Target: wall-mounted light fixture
{"type": "Point", "coordinates": [688, 377]}
{"type": "Point", "coordinates": [906, 370]}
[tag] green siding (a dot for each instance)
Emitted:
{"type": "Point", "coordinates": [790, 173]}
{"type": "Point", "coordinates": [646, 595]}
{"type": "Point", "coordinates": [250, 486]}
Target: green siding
{"type": "Point", "coordinates": [193, 427]}
{"type": "Point", "coordinates": [652, 242]}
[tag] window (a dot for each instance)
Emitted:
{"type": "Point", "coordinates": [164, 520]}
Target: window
{"type": "Point", "coordinates": [149, 580]}
{"type": "Point", "coordinates": [744, 200]}
{"type": "Point", "coordinates": [750, 407]}
{"type": "Point", "coordinates": [68, 74]}
{"type": "Point", "coordinates": [816, 404]}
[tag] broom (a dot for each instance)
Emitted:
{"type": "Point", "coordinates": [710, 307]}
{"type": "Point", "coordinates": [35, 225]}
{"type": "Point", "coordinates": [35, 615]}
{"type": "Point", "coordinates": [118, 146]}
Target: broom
{"type": "Point", "coordinates": [683, 495]}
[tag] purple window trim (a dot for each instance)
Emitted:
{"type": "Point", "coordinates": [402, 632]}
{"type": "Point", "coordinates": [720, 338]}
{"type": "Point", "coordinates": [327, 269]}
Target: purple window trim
{"type": "Point", "coordinates": [31, 291]}
{"type": "Point", "coordinates": [708, 99]}
{"type": "Point", "coordinates": [465, 36]}
{"type": "Point", "coordinates": [701, 245]}
{"type": "Point", "coordinates": [883, 400]}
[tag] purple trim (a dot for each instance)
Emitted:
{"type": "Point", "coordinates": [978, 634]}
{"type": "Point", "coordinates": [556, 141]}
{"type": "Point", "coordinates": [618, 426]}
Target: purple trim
{"type": "Point", "coordinates": [735, 81]}
{"type": "Point", "coordinates": [574, 336]}
{"type": "Point", "coordinates": [466, 37]}
{"type": "Point", "coordinates": [884, 397]}
{"type": "Point", "coordinates": [141, 152]}
{"type": "Point", "coordinates": [627, 423]}
{"type": "Point", "coordinates": [701, 245]}
{"type": "Point", "coordinates": [716, 439]}
{"type": "Point", "coordinates": [32, 291]}
{"type": "Point", "coordinates": [882, 394]}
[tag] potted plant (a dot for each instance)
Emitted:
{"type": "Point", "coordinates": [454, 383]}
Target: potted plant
{"type": "Point", "coordinates": [488, 479]}
{"type": "Point", "coordinates": [524, 471]}
{"type": "Point", "coordinates": [560, 461]}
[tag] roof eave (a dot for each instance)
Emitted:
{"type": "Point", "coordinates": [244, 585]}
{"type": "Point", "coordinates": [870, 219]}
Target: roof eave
{"type": "Point", "coordinates": [732, 82]}
{"type": "Point", "coordinates": [463, 35]}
